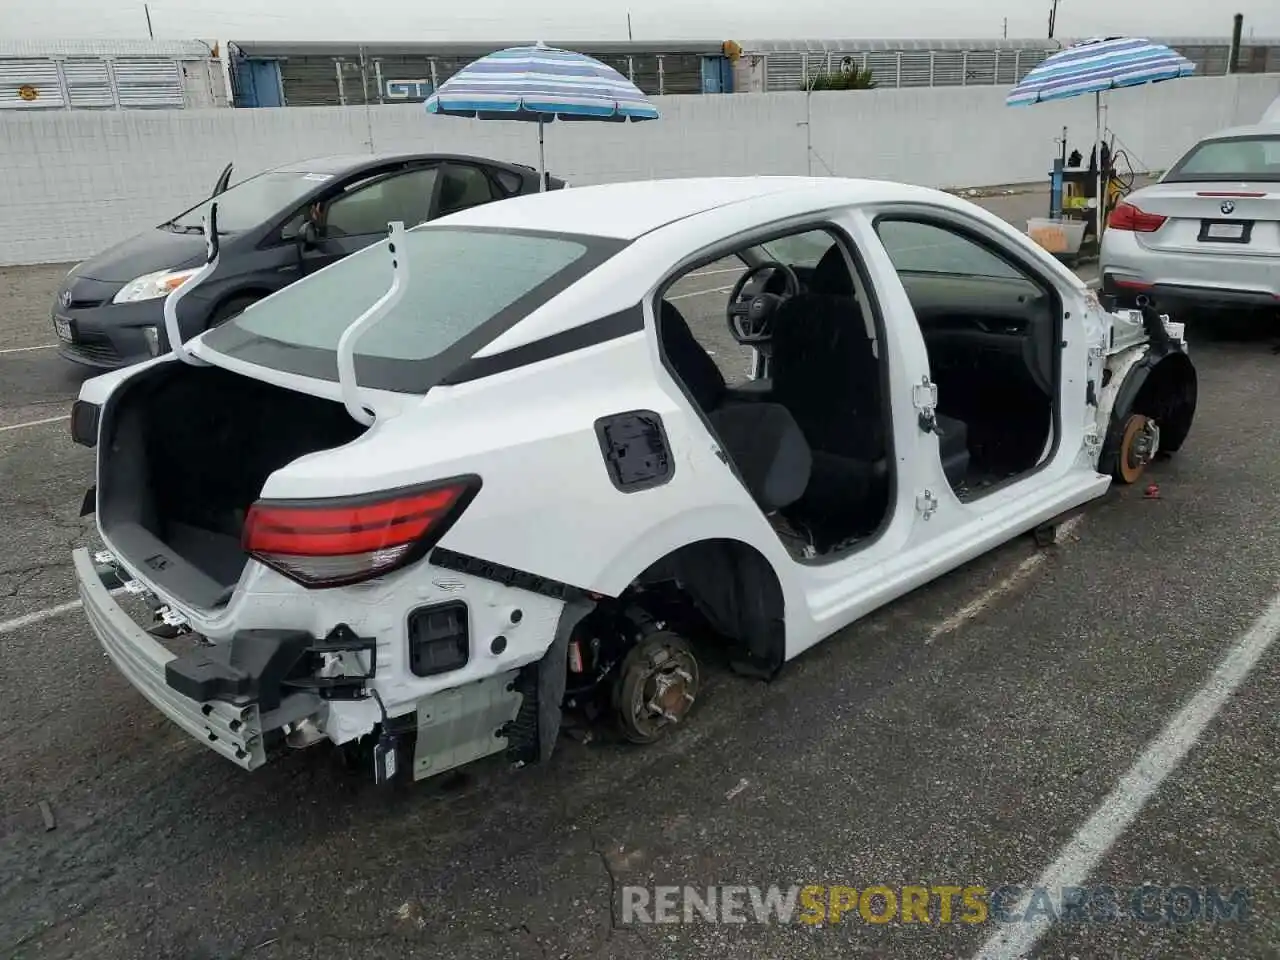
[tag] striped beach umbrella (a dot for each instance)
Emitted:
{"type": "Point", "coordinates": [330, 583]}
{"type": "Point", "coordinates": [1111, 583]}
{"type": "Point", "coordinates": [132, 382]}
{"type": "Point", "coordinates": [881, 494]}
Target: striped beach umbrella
{"type": "Point", "coordinates": [540, 84]}
{"type": "Point", "coordinates": [1096, 66]}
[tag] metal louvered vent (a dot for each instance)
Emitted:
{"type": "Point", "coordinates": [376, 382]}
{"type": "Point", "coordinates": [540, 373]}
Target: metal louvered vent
{"type": "Point", "coordinates": [917, 68]}
{"type": "Point", "coordinates": [1028, 60]}
{"type": "Point", "coordinates": [980, 67]}
{"type": "Point", "coordinates": [645, 76]}
{"type": "Point", "coordinates": [149, 83]}
{"type": "Point", "coordinates": [884, 68]}
{"type": "Point", "coordinates": [948, 69]}
{"type": "Point", "coordinates": [1006, 67]}
{"type": "Point", "coordinates": [30, 84]}
{"type": "Point", "coordinates": [681, 73]}
{"type": "Point", "coordinates": [784, 71]}
{"type": "Point", "coordinates": [309, 82]}
{"type": "Point", "coordinates": [89, 83]}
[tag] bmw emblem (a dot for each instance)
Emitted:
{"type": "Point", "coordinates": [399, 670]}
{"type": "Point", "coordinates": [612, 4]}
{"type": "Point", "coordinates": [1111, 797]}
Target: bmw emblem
{"type": "Point", "coordinates": [1228, 206]}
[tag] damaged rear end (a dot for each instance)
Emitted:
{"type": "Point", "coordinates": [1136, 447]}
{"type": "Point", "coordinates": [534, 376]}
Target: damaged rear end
{"type": "Point", "coordinates": [280, 522]}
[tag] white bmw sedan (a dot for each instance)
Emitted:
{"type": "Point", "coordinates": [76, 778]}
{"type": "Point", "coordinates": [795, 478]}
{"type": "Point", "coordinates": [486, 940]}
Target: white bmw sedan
{"type": "Point", "coordinates": [1207, 234]}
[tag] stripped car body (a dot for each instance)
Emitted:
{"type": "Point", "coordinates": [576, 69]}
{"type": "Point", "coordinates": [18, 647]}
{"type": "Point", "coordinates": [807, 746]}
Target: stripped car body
{"type": "Point", "coordinates": [419, 507]}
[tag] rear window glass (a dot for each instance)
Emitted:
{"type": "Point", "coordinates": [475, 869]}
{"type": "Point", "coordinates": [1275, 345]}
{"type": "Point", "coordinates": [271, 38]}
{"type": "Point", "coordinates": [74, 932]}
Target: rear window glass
{"type": "Point", "coordinates": [466, 285]}
{"type": "Point", "coordinates": [1238, 158]}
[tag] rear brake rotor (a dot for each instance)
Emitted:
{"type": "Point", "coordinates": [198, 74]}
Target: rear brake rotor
{"type": "Point", "coordinates": [657, 685]}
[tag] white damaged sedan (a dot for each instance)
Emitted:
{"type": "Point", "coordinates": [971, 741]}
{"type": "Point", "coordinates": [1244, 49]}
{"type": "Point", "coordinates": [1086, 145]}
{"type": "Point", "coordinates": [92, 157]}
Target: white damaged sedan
{"type": "Point", "coordinates": [496, 467]}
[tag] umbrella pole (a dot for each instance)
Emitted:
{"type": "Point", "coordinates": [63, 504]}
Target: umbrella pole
{"type": "Point", "coordinates": [1097, 152]}
{"type": "Point", "coordinates": [542, 160]}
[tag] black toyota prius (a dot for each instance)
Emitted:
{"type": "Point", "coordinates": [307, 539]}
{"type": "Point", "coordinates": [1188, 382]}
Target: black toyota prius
{"type": "Point", "coordinates": [273, 228]}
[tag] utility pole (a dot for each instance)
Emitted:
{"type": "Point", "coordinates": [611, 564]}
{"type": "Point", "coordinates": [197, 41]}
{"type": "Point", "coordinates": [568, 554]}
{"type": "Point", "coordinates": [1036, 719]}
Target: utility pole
{"type": "Point", "coordinates": [1233, 58]}
{"type": "Point", "coordinates": [1053, 18]}
{"type": "Point", "coordinates": [147, 10]}
{"type": "Point", "coordinates": [1006, 28]}
{"type": "Point", "coordinates": [628, 26]}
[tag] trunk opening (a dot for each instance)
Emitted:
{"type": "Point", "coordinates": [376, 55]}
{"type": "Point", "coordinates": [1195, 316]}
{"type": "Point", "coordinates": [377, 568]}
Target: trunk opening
{"type": "Point", "coordinates": [185, 452]}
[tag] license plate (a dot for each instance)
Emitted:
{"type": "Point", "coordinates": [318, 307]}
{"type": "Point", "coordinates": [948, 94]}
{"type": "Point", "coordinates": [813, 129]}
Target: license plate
{"type": "Point", "coordinates": [1225, 232]}
{"type": "Point", "coordinates": [62, 327]}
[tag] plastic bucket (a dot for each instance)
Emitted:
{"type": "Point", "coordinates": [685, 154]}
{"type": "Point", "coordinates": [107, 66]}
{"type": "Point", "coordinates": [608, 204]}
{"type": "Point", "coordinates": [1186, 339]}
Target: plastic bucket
{"type": "Point", "coordinates": [1057, 236]}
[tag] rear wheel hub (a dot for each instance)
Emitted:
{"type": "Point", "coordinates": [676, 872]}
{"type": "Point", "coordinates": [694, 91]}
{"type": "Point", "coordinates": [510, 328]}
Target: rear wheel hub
{"type": "Point", "coordinates": [658, 684]}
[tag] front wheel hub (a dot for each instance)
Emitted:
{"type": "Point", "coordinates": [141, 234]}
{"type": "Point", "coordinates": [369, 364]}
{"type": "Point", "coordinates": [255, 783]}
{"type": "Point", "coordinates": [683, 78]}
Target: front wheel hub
{"type": "Point", "coordinates": [1138, 446]}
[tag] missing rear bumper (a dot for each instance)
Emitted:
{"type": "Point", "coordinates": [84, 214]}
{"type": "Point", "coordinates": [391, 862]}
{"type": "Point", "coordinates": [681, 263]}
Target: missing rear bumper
{"type": "Point", "coordinates": [232, 730]}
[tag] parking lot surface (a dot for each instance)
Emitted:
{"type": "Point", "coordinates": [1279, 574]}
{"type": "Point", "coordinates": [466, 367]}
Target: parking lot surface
{"type": "Point", "coordinates": [965, 736]}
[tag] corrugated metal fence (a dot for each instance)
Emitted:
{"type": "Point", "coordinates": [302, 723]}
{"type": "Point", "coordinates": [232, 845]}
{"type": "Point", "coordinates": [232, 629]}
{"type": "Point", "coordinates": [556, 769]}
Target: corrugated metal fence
{"type": "Point", "coordinates": [792, 65]}
{"type": "Point", "coordinates": [320, 80]}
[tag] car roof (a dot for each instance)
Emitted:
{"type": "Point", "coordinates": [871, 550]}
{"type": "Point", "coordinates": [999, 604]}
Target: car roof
{"type": "Point", "coordinates": [1251, 130]}
{"type": "Point", "coordinates": [349, 163]}
{"type": "Point", "coordinates": [629, 210]}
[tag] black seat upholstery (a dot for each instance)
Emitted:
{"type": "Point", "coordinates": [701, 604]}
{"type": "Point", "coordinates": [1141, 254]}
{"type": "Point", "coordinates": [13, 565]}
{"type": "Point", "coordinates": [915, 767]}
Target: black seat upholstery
{"type": "Point", "coordinates": [831, 275]}
{"type": "Point", "coordinates": [826, 373]}
{"type": "Point", "coordinates": [692, 364]}
{"type": "Point", "coordinates": [768, 449]}
{"type": "Point", "coordinates": [953, 447]}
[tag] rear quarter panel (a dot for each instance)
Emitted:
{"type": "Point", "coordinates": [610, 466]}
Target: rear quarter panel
{"type": "Point", "coordinates": [548, 504]}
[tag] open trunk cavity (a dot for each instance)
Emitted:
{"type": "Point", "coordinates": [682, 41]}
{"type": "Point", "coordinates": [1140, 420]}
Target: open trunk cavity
{"type": "Point", "coordinates": [185, 451]}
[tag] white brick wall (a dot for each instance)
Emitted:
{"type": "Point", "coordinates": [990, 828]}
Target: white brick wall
{"type": "Point", "coordinates": [74, 182]}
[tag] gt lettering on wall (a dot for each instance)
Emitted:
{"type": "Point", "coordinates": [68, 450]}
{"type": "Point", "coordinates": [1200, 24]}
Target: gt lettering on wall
{"type": "Point", "coordinates": [408, 89]}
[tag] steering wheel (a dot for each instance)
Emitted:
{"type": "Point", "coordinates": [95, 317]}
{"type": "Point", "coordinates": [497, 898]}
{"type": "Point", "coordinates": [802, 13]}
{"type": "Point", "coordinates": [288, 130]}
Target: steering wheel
{"type": "Point", "coordinates": [751, 320]}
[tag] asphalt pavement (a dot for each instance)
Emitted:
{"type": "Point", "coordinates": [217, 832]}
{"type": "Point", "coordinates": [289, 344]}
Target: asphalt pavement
{"type": "Point", "coordinates": [966, 735]}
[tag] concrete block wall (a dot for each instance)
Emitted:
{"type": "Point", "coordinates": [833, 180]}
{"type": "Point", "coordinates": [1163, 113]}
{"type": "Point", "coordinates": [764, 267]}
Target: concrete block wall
{"type": "Point", "coordinates": [77, 181]}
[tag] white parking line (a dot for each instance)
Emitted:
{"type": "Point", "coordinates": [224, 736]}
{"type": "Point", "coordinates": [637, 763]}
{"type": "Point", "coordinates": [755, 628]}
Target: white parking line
{"type": "Point", "coordinates": [1080, 857]}
{"type": "Point", "coordinates": [699, 293]}
{"type": "Point", "coordinates": [43, 346]}
{"type": "Point", "coordinates": [33, 423]}
{"type": "Point", "coordinates": [48, 613]}
{"type": "Point", "coordinates": [1020, 573]}
{"type": "Point", "coordinates": [712, 273]}
{"type": "Point", "coordinates": [17, 623]}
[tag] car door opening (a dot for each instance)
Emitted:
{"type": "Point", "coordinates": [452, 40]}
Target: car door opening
{"type": "Point", "coordinates": [801, 414]}
{"type": "Point", "coordinates": [991, 329]}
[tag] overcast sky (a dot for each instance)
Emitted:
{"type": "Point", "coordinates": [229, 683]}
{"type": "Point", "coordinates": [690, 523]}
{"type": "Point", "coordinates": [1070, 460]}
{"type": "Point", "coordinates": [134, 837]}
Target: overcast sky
{"type": "Point", "coordinates": [520, 20]}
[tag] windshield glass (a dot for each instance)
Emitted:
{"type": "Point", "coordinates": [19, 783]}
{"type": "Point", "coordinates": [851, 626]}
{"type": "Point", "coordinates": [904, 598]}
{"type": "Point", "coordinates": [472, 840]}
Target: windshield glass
{"type": "Point", "coordinates": [1239, 158]}
{"type": "Point", "coordinates": [466, 285]}
{"type": "Point", "coordinates": [252, 201]}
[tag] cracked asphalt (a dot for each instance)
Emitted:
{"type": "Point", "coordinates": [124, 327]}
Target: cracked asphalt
{"type": "Point", "coordinates": [884, 756]}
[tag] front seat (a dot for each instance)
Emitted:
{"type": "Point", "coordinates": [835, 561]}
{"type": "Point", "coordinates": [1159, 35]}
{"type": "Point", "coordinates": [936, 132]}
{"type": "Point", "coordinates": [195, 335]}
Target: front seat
{"type": "Point", "coordinates": [831, 278]}
{"type": "Point", "coordinates": [826, 374]}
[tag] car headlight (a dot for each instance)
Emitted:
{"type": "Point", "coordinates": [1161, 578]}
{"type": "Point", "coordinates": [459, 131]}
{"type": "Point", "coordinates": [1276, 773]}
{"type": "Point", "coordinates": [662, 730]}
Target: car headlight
{"type": "Point", "coordinates": [152, 285]}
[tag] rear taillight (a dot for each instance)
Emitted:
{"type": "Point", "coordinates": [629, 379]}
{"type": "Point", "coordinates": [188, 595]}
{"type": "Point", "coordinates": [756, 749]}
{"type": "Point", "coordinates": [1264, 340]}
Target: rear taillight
{"type": "Point", "coordinates": [1128, 217]}
{"type": "Point", "coordinates": [334, 542]}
